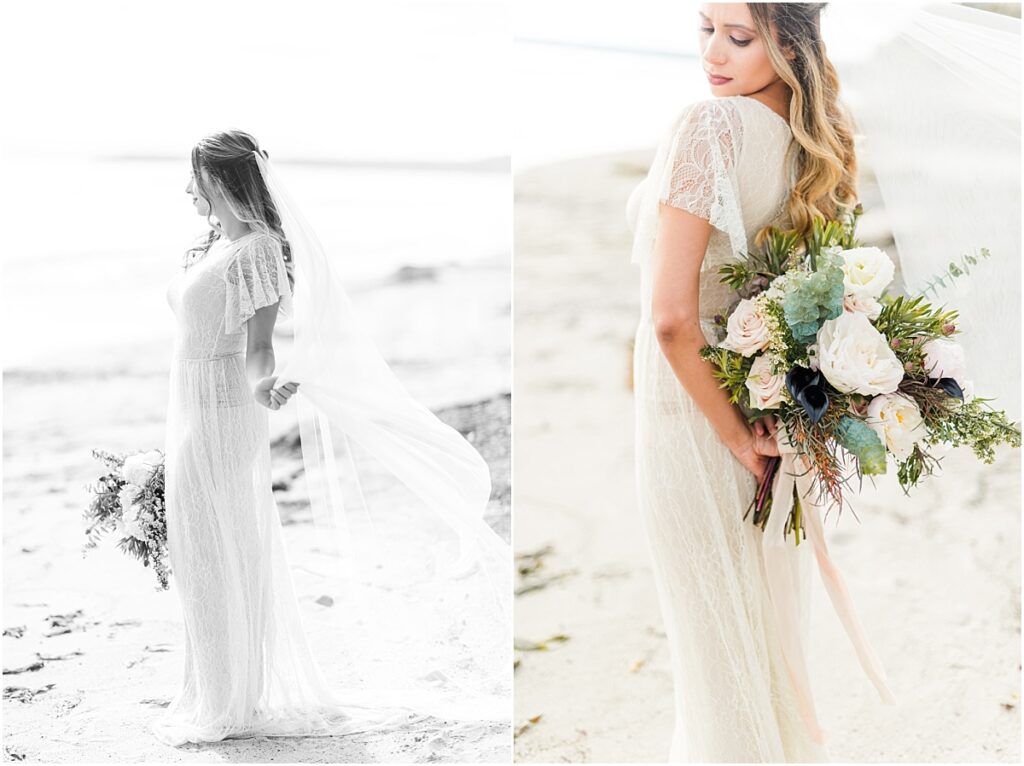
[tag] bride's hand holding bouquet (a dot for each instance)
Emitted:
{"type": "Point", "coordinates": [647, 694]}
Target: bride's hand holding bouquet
{"type": "Point", "coordinates": [756, 453]}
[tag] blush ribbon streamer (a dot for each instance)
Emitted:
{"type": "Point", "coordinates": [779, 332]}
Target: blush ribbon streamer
{"type": "Point", "coordinates": [779, 558]}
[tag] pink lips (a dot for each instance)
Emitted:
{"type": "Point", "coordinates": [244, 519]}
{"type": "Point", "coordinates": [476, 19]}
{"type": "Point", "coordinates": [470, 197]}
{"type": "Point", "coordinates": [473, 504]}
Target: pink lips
{"type": "Point", "coordinates": [715, 80]}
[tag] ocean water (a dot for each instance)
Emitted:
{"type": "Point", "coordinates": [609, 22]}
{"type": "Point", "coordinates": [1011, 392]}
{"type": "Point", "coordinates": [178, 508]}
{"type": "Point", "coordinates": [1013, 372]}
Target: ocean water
{"type": "Point", "coordinates": [601, 78]}
{"type": "Point", "coordinates": [425, 254]}
{"type": "Point", "coordinates": [389, 123]}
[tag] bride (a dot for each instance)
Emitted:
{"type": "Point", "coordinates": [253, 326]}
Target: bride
{"type": "Point", "coordinates": [772, 146]}
{"type": "Point", "coordinates": [249, 670]}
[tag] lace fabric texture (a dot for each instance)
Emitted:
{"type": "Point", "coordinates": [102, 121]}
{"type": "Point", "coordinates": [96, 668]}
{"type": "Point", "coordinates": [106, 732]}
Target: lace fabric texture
{"type": "Point", "coordinates": [724, 160]}
{"type": "Point", "coordinates": [257, 277]}
{"type": "Point", "coordinates": [248, 669]}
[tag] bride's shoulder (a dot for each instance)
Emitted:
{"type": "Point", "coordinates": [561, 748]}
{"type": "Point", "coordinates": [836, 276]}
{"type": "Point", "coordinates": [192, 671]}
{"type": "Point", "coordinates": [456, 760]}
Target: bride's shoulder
{"type": "Point", "coordinates": [708, 121]}
{"type": "Point", "coordinates": [256, 252]}
{"type": "Point", "coordinates": [249, 246]}
{"type": "Point", "coordinates": [713, 115]}
{"type": "Point", "coordinates": [712, 108]}
{"type": "Point", "coordinates": [230, 255]}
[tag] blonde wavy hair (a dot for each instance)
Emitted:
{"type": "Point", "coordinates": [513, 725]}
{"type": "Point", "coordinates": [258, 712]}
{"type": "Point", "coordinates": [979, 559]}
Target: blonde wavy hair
{"type": "Point", "coordinates": [230, 164]}
{"type": "Point", "coordinates": [823, 132]}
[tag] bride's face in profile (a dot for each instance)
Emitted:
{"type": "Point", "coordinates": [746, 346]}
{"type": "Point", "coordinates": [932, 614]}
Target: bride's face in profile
{"type": "Point", "coordinates": [201, 204]}
{"type": "Point", "coordinates": [730, 46]}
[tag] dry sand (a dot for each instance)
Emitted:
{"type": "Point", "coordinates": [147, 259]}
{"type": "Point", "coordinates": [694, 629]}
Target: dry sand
{"type": "Point", "coordinates": [99, 653]}
{"type": "Point", "coordinates": [936, 577]}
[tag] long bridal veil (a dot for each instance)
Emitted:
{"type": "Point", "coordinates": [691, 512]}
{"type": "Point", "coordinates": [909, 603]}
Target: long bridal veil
{"type": "Point", "coordinates": [419, 586]}
{"type": "Point", "coordinates": [937, 102]}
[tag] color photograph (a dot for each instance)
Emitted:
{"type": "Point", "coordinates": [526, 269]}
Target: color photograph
{"type": "Point", "coordinates": [766, 373]}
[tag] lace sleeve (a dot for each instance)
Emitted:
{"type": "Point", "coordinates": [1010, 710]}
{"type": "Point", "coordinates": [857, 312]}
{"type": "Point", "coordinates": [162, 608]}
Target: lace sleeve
{"type": "Point", "coordinates": [700, 172]}
{"type": "Point", "coordinates": [256, 277]}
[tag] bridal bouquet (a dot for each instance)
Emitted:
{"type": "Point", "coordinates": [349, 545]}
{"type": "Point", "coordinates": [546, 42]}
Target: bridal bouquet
{"type": "Point", "coordinates": [129, 501]}
{"type": "Point", "coordinates": [853, 374]}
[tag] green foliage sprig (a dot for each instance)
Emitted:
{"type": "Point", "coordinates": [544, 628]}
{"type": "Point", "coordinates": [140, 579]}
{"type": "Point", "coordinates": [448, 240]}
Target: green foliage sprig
{"type": "Point", "coordinates": [863, 443]}
{"type": "Point", "coordinates": [778, 257]}
{"type": "Point", "coordinates": [816, 441]}
{"type": "Point", "coordinates": [955, 270]}
{"type": "Point", "coordinates": [105, 509]}
{"type": "Point", "coordinates": [105, 512]}
{"type": "Point", "coordinates": [813, 298]}
{"type": "Point", "coordinates": [731, 370]}
{"type": "Point", "coordinates": [910, 471]}
{"type": "Point", "coordinates": [906, 319]}
{"type": "Point", "coordinates": [824, 234]}
{"type": "Point", "coordinates": [976, 425]}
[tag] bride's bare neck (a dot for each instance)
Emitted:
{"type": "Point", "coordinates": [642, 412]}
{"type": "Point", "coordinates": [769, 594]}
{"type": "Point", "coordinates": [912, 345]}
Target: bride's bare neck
{"type": "Point", "coordinates": [776, 96]}
{"type": "Point", "coordinates": [230, 226]}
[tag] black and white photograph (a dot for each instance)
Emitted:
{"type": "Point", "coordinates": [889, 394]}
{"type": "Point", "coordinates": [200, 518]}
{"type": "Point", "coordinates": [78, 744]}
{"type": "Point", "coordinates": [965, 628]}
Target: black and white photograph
{"type": "Point", "coordinates": [256, 382]}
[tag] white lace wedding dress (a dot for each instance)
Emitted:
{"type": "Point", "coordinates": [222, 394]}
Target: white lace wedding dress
{"type": "Point", "coordinates": [724, 160]}
{"type": "Point", "coordinates": [248, 669]}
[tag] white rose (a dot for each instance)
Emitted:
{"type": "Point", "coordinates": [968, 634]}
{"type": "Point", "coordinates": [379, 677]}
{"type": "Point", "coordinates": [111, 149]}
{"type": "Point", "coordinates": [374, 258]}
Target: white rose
{"type": "Point", "coordinates": [134, 529]}
{"type": "Point", "coordinates": [132, 515]}
{"type": "Point", "coordinates": [128, 494]}
{"type": "Point", "coordinates": [867, 271]}
{"type": "Point", "coordinates": [746, 332]}
{"type": "Point", "coordinates": [855, 357]}
{"type": "Point", "coordinates": [764, 386]}
{"type": "Point", "coordinates": [138, 469]}
{"type": "Point", "coordinates": [898, 423]}
{"type": "Point", "coordinates": [863, 303]}
{"type": "Point", "coordinates": [945, 359]}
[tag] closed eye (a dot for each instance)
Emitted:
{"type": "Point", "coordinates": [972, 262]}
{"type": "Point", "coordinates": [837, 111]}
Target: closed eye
{"type": "Point", "coordinates": [740, 43]}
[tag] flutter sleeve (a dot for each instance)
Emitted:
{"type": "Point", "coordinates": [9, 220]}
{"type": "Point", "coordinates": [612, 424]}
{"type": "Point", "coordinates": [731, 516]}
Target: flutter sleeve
{"type": "Point", "coordinates": [256, 277]}
{"type": "Point", "coordinates": [700, 171]}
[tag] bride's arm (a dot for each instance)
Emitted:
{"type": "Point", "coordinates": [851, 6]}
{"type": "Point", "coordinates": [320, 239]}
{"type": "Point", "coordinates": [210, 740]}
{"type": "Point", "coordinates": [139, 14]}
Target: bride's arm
{"type": "Point", "coordinates": [682, 239]}
{"type": "Point", "coordinates": [260, 362]}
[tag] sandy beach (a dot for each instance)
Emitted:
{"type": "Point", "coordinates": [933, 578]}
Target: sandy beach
{"type": "Point", "coordinates": [86, 358]}
{"type": "Point", "coordinates": [935, 577]}
{"type": "Point", "coordinates": [91, 653]}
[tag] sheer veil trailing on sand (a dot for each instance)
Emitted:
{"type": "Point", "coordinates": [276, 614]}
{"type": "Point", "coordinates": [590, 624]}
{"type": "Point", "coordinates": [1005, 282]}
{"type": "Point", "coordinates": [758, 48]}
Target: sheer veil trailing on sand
{"type": "Point", "coordinates": [421, 612]}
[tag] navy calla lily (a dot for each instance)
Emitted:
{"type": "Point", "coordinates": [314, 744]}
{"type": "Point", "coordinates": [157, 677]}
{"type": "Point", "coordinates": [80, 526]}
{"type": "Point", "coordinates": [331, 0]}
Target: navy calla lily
{"type": "Point", "coordinates": [814, 400]}
{"type": "Point", "coordinates": [808, 389]}
{"type": "Point", "coordinates": [950, 386]}
{"type": "Point", "coordinates": [799, 378]}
